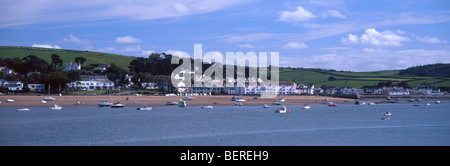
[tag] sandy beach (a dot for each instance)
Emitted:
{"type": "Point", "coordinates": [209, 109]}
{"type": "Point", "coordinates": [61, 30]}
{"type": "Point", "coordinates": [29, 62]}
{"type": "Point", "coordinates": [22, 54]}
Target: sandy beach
{"type": "Point", "coordinates": [157, 101]}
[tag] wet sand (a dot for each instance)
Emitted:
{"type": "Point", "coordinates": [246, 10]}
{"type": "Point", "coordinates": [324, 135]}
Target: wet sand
{"type": "Point", "coordinates": [157, 101]}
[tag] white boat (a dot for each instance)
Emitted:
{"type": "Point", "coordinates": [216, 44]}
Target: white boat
{"type": "Point", "coordinates": [385, 118]}
{"type": "Point", "coordinates": [238, 103]}
{"type": "Point", "coordinates": [437, 102]}
{"type": "Point", "coordinates": [362, 104]}
{"type": "Point", "coordinates": [10, 100]}
{"type": "Point", "coordinates": [277, 103]}
{"type": "Point", "coordinates": [372, 103]}
{"type": "Point", "coordinates": [171, 103]}
{"type": "Point", "coordinates": [428, 104]}
{"type": "Point", "coordinates": [43, 101]}
{"type": "Point", "coordinates": [188, 98]}
{"type": "Point", "coordinates": [144, 108]}
{"type": "Point", "coordinates": [281, 100]}
{"type": "Point", "coordinates": [55, 107]}
{"type": "Point", "coordinates": [306, 106]}
{"type": "Point", "coordinates": [240, 100]}
{"type": "Point", "coordinates": [182, 103]}
{"type": "Point", "coordinates": [48, 99]}
{"type": "Point", "coordinates": [117, 105]}
{"type": "Point", "coordinates": [266, 106]}
{"type": "Point", "coordinates": [23, 109]}
{"type": "Point", "coordinates": [387, 114]}
{"type": "Point", "coordinates": [281, 110]}
{"type": "Point", "coordinates": [208, 107]}
{"type": "Point", "coordinates": [104, 103]}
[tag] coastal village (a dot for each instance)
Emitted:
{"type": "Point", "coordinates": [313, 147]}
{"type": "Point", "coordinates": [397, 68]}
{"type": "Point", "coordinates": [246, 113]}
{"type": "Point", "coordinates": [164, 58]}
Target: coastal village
{"type": "Point", "coordinates": [99, 81]}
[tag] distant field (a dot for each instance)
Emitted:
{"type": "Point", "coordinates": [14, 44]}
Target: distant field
{"type": "Point", "coordinates": [66, 55]}
{"type": "Point", "coordinates": [355, 79]}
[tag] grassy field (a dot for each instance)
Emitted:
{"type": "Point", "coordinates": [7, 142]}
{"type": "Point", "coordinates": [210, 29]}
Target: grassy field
{"type": "Point", "coordinates": [354, 79]}
{"type": "Point", "coordinates": [66, 55]}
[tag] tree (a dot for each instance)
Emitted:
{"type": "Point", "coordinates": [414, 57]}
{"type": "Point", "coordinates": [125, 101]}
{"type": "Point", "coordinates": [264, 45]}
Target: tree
{"type": "Point", "coordinates": [80, 60]}
{"type": "Point", "coordinates": [57, 79]}
{"type": "Point", "coordinates": [331, 78]}
{"type": "Point", "coordinates": [56, 60]}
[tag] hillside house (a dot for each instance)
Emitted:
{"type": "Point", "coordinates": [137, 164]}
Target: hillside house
{"type": "Point", "coordinates": [72, 66]}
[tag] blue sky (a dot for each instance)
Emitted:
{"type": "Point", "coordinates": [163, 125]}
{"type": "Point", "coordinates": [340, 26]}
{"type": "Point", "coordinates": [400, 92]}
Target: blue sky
{"type": "Point", "coordinates": [342, 35]}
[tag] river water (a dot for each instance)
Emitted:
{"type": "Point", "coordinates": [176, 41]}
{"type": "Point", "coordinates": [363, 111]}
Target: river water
{"type": "Point", "coordinates": [229, 125]}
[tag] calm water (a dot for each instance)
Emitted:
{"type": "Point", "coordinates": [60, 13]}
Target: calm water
{"type": "Point", "coordinates": [228, 125]}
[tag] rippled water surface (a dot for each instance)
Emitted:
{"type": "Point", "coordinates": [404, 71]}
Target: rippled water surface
{"type": "Point", "coordinates": [228, 125]}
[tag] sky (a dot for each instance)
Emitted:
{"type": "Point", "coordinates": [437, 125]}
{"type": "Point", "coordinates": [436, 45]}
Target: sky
{"type": "Point", "coordinates": [349, 35]}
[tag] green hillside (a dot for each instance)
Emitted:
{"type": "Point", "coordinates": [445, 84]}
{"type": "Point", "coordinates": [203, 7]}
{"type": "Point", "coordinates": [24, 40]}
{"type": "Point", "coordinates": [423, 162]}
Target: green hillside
{"type": "Point", "coordinates": [66, 55]}
{"type": "Point", "coordinates": [319, 77]}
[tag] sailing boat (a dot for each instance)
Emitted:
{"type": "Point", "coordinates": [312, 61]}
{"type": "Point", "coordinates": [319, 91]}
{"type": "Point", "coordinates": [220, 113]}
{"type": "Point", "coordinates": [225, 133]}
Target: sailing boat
{"type": "Point", "coordinates": [118, 104]}
{"type": "Point", "coordinates": [306, 106]}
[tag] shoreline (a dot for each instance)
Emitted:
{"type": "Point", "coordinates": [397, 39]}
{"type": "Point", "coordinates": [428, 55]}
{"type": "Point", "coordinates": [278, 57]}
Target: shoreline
{"type": "Point", "coordinates": [158, 101]}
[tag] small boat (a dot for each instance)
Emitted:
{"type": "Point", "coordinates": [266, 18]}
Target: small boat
{"type": "Point", "coordinates": [388, 98]}
{"type": "Point", "coordinates": [238, 103]}
{"type": "Point", "coordinates": [306, 106]}
{"type": "Point", "coordinates": [437, 102]}
{"type": "Point", "coordinates": [10, 100]}
{"type": "Point", "coordinates": [117, 105]}
{"type": "Point", "coordinates": [240, 100]}
{"type": "Point", "coordinates": [372, 103]}
{"type": "Point", "coordinates": [418, 99]}
{"type": "Point", "coordinates": [43, 101]}
{"type": "Point", "coordinates": [387, 114]}
{"type": "Point", "coordinates": [104, 103]}
{"type": "Point", "coordinates": [277, 103]}
{"type": "Point", "coordinates": [385, 118]}
{"type": "Point", "coordinates": [144, 108]}
{"type": "Point", "coordinates": [281, 110]}
{"type": "Point", "coordinates": [188, 98]}
{"type": "Point", "coordinates": [55, 107]}
{"type": "Point", "coordinates": [410, 100]}
{"type": "Point", "coordinates": [48, 99]}
{"type": "Point", "coordinates": [281, 100]}
{"type": "Point", "coordinates": [171, 103]}
{"type": "Point", "coordinates": [417, 105]}
{"type": "Point", "coordinates": [266, 106]}
{"type": "Point", "coordinates": [23, 109]}
{"type": "Point", "coordinates": [331, 104]}
{"type": "Point", "coordinates": [78, 102]}
{"type": "Point", "coordinates": [428, 104]}
{"type": "Point", "coordinates": [362, 104]}
{"type": "Point", "coordinates": [208, 107]}
{"type": "Point", "coordinates": [182, 103]}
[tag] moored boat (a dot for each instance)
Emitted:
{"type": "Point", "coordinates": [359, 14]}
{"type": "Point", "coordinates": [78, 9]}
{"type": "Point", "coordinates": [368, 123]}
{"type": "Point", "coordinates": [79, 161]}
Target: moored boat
{"type": "Point", "coordinates": [332, 104]}
{"type": "Point", "coordinates": [277, 103]}
{"type": "Point", "coordinates": [55, 107]}
{"type": "Point", "coordinates": [188, 98]}
{"type": "Point", "coordinates": [117, 105]}
{"type": "Point", "coordinates": [48, 99]}
{"type": "Point", "coordinates": [238, 103]}
{"type": "Point", "coordinates": [387, 114]}
{"type": "Point", "coordinates": [22, 109]}
{"type": "Point", "coordinates": [144, 108]}
{"type": "Point", "coordinates": [437, 102]}
{"type": "Point", "coordinates": [306, 106]}
{"type": "Point", "coordinates": [208, 107]}
{"type": "Point", "coordinates": [104, 103]}
{"type": "Point", "coordinates": [182, 103]}
{"type": "Point", "coordinates": [10, 100]}
{"type": "Point", "coordinates": [171, 103]}
{"type": "Point", "coordinates": [281, 110]}
{"type": "Point", "coordinates": [385, 118]}
{"type": "Point", "coordinates": [266, 106]}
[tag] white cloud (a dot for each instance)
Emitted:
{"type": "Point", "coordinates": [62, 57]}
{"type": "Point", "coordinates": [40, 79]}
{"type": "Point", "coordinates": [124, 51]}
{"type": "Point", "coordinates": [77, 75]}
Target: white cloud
{"type": "Point", "coordinates": [46, 46]}
{"type": "Point", "coordinates": [298, 15]}
{"type": "Point", "coordinates": [374, 38]}
{"type": "Point", "coordinates": [127, 39]}
{"type": "Point", "coordinates": [334, 13]}
{"type": "Point", "coordinates": [178, 53]}
{"type": "Point", "coordinates": [428, 39]}
{"type": "Point", "coordinates": [22, 12]}
{"type": "Point", "coordinates": [295, 45]}
{"type": "Point", "coordinates": [246, 46]}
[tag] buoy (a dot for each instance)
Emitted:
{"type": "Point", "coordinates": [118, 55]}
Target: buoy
{"type": "Point", "coordinates": [289, 111]}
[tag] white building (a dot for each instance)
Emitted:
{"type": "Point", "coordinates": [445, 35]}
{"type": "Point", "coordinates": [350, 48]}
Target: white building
{"type": "Point", "coordinates": [72, 66]}
{"type": "Point", "coordinates": [305, 89]}
{"type": "Point", "coordinates": [13, 85]}
{"type": "Point", "coordinates": [398, 92]}
{"type": "Point", "coordinates": [92, 85]}
{"type": "Point", "coordinates": [37, 87]}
